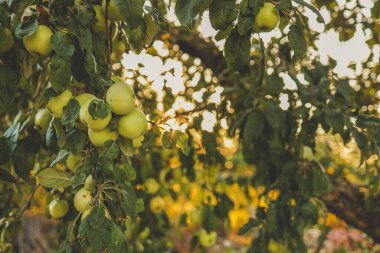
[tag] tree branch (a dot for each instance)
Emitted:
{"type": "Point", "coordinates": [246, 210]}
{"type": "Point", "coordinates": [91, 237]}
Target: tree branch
{"type": "Point", "coordinates": [346, 201]}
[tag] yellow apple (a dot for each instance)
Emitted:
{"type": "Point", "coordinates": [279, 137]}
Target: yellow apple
{"type": "Point", "coordinates": [113, 12]}
{"type": "Point", "coordinates": [99, 25]}
{"type": "Point", "coordinates": [120, 99]}
{"type": "Point", "coordinates": [157, 204]}
{"type": "Point", "coordinates": [151, 186]}
{"type": "Point", "coordinates": [98, 138]}
{"type": "Point", "coordinates": [38, 44]}
{"type": "Point", "coordinates": [82, 98]}
{"type": "Point", "coordinates": [56, 104]}
{"type": "Point", "coordinates": [72, 162]}
{"type": "Point", "coordinates": [132, 125]}
{"type": "Point", "coordinates": [6, 41]}
{"type": "Point", "coordinates": [89, 121]}
{"type": "Point", "coordinates": [42, 119]}
{"type": "Point", "coordinates": [267, 19]}
{"type": "Point", "coordinates": [58, 208]}
{"type": "Point", "coordinates": [82, 200]}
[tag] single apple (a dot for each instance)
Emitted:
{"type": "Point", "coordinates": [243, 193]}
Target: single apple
{"type": "Point", "coordinates": [58, 208]}
{"type": "Point", "coordinates": [98, 138]}
{"type": "Point", "coordinates": [151, 186]}
{"type": "Point", "coordinates": [157, 204]}
{"type": "Point", "coordinates": [72, 162]}
{"type": "Point", "coordinates": [56, 104]}
{"type": "Point", "coordinates": [207, 239]}
{"type": "Point", "coordinates": [87, 119]}
{"type": "Point", "coordinates": [133, 125]}
{"type": "Point", "coordinates": [120, 99]}
{"type": "Point", "coordinates": [267, 19]}
{"type": "Point", "coordinates": [84, 97]}
{"type": "Point", "coordinates": [42, 119]}
{"type": "Point", "coordinates": [6, 40]}
{"type": "Point", "coordinates": [99, 25]}
{"type": "Point", "coordinates": [82, 200]}
{"type": "Point", "coordinates": [38, 44]}
{"type": "Point", "coordinates": [113, 12]}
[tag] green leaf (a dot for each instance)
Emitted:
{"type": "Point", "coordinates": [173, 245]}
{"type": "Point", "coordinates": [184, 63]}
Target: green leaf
{"type": "Point", "coordinates": [131, 11]}
{"type": "Point", "coordinates": [245, 24]}
{"type": "Point", "coordinates": [70, 113]}
{"type": "Point", "coordinates": [297, 41]}
{"type": "Point", "coordinates": [321, 180]}
{"type": "Point", "coordinates": [274, 84]}
{"type": "Point", "coordinates": [54, 178]}
{"type": "Point", "coordinates": [61, 157]}
{"type": "Point", "coordinates": [8, 86]}
{"type": "Point", "coordinates": [61, 47]}
{"type": "Point", "coordinates": [90, 63]}
{"type": "Point", "coordinates": [252, 223]}
{"type": "Point", "coordinates": [126, 146]}
{"type": "Point", "coordinates": [237, 50]}
{"type": "Point", "coordinates": [99, 109]}
{"type": "Point", "coordinates": [253, 128]}
{"type": "Point", "coordinates": [4, 150]}
{"type": "Point", "coordinates": [111, 151]}
{"type": "Point", "coordinates": [238, 122]}
{"type": "Point", "coordinates": [23, 161]}
{"type": "Point", "coordinates": [6, 176]}
{"type": "Point", "coordinates": [60, 73]}
{"type": "Point", "coordinates": [187, 10]}
{"type": "Point", "coordinates": [26, 28]}
{"type": "Point", "coordinates": [78, 179]}
{"type": "Point", "coordinates": [222, 34]}
{"type": "Point", "coordinates": [137, 37]}
{"type": "Point", "coordinates": [275, 116]}
{"type": "Point", "coordinates": [75, 141]}
{"type": "Point", "coordinates": [152, 29]}
{"type": "Point", "coordinates": [222, 13]}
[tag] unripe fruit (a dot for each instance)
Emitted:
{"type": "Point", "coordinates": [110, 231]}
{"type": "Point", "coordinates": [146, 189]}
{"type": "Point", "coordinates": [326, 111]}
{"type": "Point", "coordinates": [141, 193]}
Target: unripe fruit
{"type": "Point", "coordinates": [137, 143]}
{"type": "Point", "coordinates": [157, 204]}
{"type": "Point", "coordinates": [113, 12]}
{"type": "Point", "coordinates": [6, 41]}
{"type": "Point", "coordinates": [89, 183]}
{"type": "Point", "coordinates": [99, 25]}
{"type": "Point", "coordinates": [151, 186]}
{"type": "Point", "coordinates": [42, 119]}
{"type": "Point", "coordinates": [84, 97]}
{"type": "Point", "coordinates": [120, 99]}
{"type": "Point", "coordinates": [98, 138]}
{"type": "Point", "coordinates": [56, 104]}
{"type": "Point", "coordinates": [58, 208]}
{"type": "Point", "coordinates": [82, 200]}
{"type": "Point", "coordinates": [132, 125]}
{"type": "Point", "coordinates": [118, 79]}
{"type": "Point", "coordinates": [72, 161]}
{"type": "Point", "coordinates": [207, 239]}
{"type": "Point", "coordinates": [88, 120]}
{"type": "Point", "coordinates": [38, 44]}
{"type": "Point", "coordinates": [267, 19]}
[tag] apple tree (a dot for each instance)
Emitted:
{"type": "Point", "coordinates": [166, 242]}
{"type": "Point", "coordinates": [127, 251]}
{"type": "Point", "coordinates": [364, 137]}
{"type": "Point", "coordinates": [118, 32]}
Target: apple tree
{"type": "Point", "coordinates": [95, 137]}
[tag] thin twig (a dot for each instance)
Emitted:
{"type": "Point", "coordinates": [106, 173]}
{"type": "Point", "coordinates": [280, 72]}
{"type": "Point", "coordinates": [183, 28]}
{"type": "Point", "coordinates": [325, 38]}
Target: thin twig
{"type": "Point", "coordinates": [27, 204]}
{"type": "Point", "coordinates": [108, 38]}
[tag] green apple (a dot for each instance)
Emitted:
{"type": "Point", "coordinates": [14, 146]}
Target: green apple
{"type": "Point", "coordinates": [207, 239]}
{"type": "Point", "coordinates": [157, 204]}
{"type": "Point", "coordinates": [132, 125]}
{"type": "Point", "coordinates": [89, 121]}
{"type": "Point", "coordinates": [84, 97]}
{"type": "Point", "coordinates": [38, 44]}
{"type": "Point", "coordinates": [99, 25]}
{"type": "Point", "coordinates": [151, 186]}
{"type": "Point", "coordinates": [98, 138]}
{"type": "Point", "coordinates": [89, 183]}
{"type": "Point", "coordinates": [56, 104]}
{"type": "Point", "coordinates": [118, 79]}
{"type": "Point", "coordinates": [6, 41]}
{"type": "Point", "coordinates": [82, 200]}
{"type": "Point", "coordinates": [120, 99]}
{"type": "Point", "coordinates": [267, 19]}
{"type": "Point", "coordinates": [137, 143]}
{"type": "Point", "coordinates": [42, 119]}
{"type": "Point", "coordinates": [88, 211]}
{"type": "Point", "coordinates": [58, 208]}
{"type": "Point", "coordinates": [113, 12]}
{"type": "Point", "coordinates": [72, 161]}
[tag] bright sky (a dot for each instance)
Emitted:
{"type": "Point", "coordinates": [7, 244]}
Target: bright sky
{"type": "Point", "coordinates": [353, 51]}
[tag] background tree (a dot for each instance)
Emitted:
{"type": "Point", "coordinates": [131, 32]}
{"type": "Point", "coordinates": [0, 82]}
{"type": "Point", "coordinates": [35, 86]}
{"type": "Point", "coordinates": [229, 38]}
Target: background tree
{"type": "Point", "coordinates": [73, 134]}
